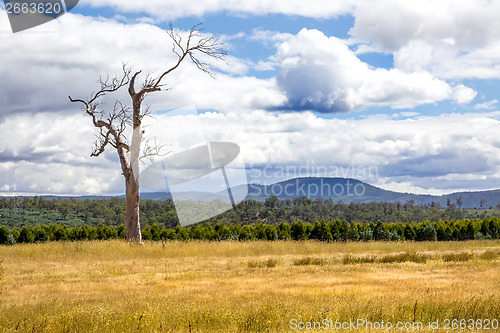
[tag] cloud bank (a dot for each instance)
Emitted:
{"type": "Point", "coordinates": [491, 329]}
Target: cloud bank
{"type": "Point", "coordinates": [321, 73]}
{"type": "Point", "coordinates": [419, 153]}
{"type": "Point", "coordinates": [45, 140]}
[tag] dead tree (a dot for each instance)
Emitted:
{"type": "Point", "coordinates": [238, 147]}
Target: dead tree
{"type": "Point", "coordinates": [112, 125]}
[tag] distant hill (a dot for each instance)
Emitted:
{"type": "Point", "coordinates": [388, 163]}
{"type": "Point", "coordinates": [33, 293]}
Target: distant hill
{"type": "Point", "coordinates": [345, 189]}
{"type": "Point", "coordinates": [352, 190]}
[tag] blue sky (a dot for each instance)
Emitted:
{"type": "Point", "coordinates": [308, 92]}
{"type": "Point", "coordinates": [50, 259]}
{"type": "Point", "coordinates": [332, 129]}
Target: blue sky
{"type": "Point", "coordinates": [408, 88]}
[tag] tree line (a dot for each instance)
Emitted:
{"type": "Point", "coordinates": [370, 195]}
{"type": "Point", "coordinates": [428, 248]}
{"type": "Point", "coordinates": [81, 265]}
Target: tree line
{"type": "Point", "coordinates": [31, 211]}
{"type": "Point", "coordinates": [320, 230]}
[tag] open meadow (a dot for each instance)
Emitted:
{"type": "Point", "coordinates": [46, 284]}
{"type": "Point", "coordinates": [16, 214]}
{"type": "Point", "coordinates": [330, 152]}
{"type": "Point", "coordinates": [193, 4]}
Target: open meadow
{"type": "Point", "coordinates": [256, 286]}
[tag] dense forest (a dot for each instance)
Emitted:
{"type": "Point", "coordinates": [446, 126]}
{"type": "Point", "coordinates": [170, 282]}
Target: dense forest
{"type": "Point", "coordinates": [29, 211]}
{"type": "Point", "coordinates": [24, 220]}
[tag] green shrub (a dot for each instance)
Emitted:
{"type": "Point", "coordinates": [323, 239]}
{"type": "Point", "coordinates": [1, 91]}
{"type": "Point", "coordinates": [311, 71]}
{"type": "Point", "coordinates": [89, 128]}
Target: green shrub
{"type": "Point", "coordinates": [11, 240]}
{"type": "Point", "coordinates": [4, 235]}
{"type": "Point", "coordinates": [146, 233]}
{"type": "Point", "coordinates": [121, 232]}
{"type": "Point", "coordinates": [298, 231]}
{"type": "Point", "coordinates": [428, 233]}
{"type": "Point", "coordinates": [26, 236]}
{"type": "Point", "coordinates": [168, 234]}
{"type": "Point", "coordinates": [40, 234]}
{"type": "Point", "coordinates": [61, 232]}
{"type": "Point", "coordinates": [245, 233]}
{"type": "Point", "coordinates": [181, 233]}
{"type": "Point", "coordinates": [15, 235]}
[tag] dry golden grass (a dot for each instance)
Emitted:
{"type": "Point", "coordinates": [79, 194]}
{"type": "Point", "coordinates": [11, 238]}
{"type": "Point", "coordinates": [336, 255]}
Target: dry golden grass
{"type": "Point", "coordinates": [115, 286]}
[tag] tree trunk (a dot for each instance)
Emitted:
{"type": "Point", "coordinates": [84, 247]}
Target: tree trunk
{"type": "Point", "coordinates": [132, 197]}
{"type": "Point", "coordinates": [132, 223]}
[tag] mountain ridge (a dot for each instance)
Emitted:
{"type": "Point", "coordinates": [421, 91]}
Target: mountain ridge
{"type": "Point", "coordinates": [352, 190]}
{"type": "Point", "coordinates": [345, 189]}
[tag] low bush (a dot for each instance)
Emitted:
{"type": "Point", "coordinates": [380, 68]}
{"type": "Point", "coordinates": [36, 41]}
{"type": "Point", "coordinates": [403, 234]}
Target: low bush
{"type": "Point", "coordinates": [403, 257]}
{"type": "Point", "coordinates": [350, 259]}
{"type": "Point", "coordinates": [268, 263]}
{"type": "Point", "coordinates": [461, 256]}
{"type": "Point", "coordinates": [310, 261]}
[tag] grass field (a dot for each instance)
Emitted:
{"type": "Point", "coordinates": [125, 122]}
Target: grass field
{"type": "Point", "coordinates": [115, 286]}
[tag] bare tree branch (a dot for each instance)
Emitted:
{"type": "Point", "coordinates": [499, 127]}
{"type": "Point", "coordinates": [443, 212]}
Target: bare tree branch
{"type": "Point", "coordinates": [100, 143]}
{"type": "Point", "coordinates": [195, 45]}
{"type": "Point", "coordinates": [207, 45]}
{"type": "Point", "coordinates": [109, 86]}
{"type": "Point", "coordinates": [109, 132]}
{"type": "Point", "coordinates": [151, 150]}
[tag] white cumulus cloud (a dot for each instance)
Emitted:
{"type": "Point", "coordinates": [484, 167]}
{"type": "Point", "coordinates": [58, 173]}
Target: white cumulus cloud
{"type": "Point", "coordinates": [453, 39]}
{"type": "Point", "coordinates": [321, 73]}
{"type": "Point", "coordinates": [486, 105]}
{"type": "Point", "coordinates": [66, 56]}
